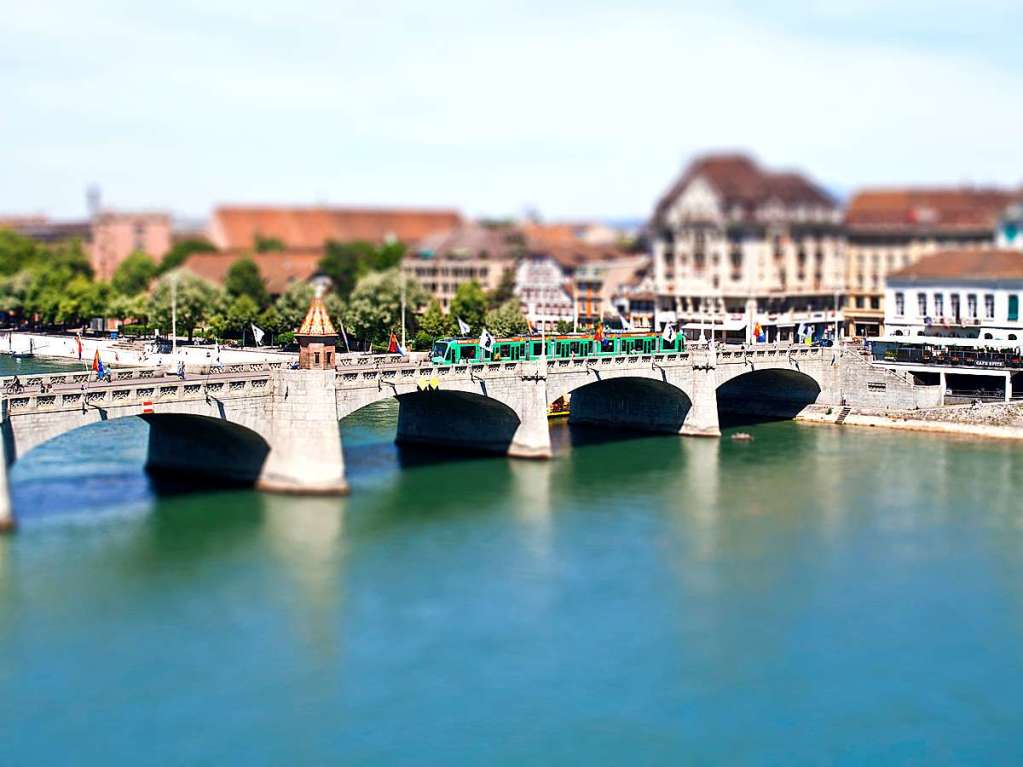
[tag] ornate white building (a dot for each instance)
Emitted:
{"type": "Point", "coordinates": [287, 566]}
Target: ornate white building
{"type": "Point", "coordinates": [735, 246]}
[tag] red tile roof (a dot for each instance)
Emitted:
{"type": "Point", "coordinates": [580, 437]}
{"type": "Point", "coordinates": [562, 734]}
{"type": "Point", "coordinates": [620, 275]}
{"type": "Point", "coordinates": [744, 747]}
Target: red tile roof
{"type": "Point", "coordinates": [278, 269]}
{"type": "Point", "coordinates": [969, 264]}
{"type": "Point", "coordinates": [238, 226]}
{"type": "Point", "coordinates": [927, 209]}
{"type": "Point", "coordinates": [739, 181]}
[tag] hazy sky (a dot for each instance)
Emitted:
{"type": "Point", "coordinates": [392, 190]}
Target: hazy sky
{"type": "Point", "coordinates": [574, 108]}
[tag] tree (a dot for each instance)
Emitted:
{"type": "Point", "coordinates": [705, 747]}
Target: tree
{"type": "Point", "coordinates": [243, 279]}
{"type": "Point", "coordinates": [433, 324]}
{"type": "Point", "coordinates": [470, 305]}
{"type": "Point", "coordinates": [269, 320]}
{"type": "Point", "coordinates": [293, 304]}
{"type": "Point", "coordinates": [242, 313]}
{"type": "Point", "coordinates": [344, 263]}
{"type": "Point", "coordinates": [180, 252]}
{"type": "Point", "coordinates": [134, 274]}
{"type": "Point", "coordinates": [267, 244]}
{"type": "Point", "coordinates": [197, 300]}
{"type": "Point", "coordinates": [386, 256]}
{"type": "Point", "coordinates": [128, 307]}
{"type": "Point", "coordinates": [374, 308]}
{"type": "Point", "coordinates": [18, 252]}
{"type": "Point", "coordinates": [49, 281]}
{"type": "Point", "coordinates": [505, 290]}
{"type": "Point", "coordinates": [564, 326]}
{"type": "Point", "coordinates": [507, 320]}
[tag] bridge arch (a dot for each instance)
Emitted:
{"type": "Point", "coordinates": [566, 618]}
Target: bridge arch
{"type": "Point", "coordinates": [772, 393]}
{"type": "Point", "coordinates": [459, 419]}
{"type": "Point", "coordinates": [179, 444]}
{"type": "Point", "coordinates": [634, 403]}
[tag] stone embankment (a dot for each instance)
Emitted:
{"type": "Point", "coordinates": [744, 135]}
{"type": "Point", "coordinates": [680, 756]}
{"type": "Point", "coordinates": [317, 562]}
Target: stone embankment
{"type": "Point", "coordinates": [993, 420]}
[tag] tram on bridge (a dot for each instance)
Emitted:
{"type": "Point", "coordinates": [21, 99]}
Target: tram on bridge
{"type": "Point", "coordinates": [462, 350]}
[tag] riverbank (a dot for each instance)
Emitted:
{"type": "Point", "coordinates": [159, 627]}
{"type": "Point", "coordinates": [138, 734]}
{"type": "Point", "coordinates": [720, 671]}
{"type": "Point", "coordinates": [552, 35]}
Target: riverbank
{"type": "Point", "coordinates": [124, 353]}
{"type": "Point", "coordinates": [989, 420]}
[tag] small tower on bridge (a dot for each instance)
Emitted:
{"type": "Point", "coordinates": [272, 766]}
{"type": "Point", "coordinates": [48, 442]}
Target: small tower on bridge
{"type": "Point", "coordinates": [317, 338]}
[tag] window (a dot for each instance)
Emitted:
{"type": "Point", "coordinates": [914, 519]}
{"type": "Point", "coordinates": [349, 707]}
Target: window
{"type": "Point", "coordinates": [921, 304]}
{"type": "Point", "coordinates": [900, 304]}
{"type": "Point", "coordinates": [939, 305]}
{"type": "Point", "coordinates": [955, 306]}
{"type": "Point", "coordinates": [971, 306]}
{"type": "Point", "coordinates": [1014, 307]}
{"type": "Point", "coordinates": [989, 306]}
{"type": "Point", "coordinates": [326, 357]}
{"type": "Point", "coordinates": [316, 358]}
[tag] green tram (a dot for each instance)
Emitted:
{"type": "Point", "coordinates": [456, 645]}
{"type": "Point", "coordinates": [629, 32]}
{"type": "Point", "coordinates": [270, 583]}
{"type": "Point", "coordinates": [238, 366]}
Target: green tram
{"type": "Point", "coordinates": [461, 351]}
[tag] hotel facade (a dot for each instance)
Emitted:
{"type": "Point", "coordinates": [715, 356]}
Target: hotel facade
{"type": "Point", "coordinates": [735, 246]}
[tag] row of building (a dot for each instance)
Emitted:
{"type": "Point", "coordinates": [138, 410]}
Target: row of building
{"type": "Point", "coordinates": [729, 247]}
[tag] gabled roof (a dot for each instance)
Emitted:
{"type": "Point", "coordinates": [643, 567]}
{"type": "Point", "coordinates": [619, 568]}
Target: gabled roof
{"type": "Point", "coordinates": [965, 265]}
{"type": "Point", "coordinates": [317, 321]}
{"type": "Point", "coordinates": [239, 226]}
{"type": "Point", "coordinates": [740, 182]}
{"type": "Point", "coordinates": [918, 209]}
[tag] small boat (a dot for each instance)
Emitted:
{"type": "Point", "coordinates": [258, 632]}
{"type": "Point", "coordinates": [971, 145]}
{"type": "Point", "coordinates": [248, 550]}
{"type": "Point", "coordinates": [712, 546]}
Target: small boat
{"type": "Point", "coordinates": [742, 436]}
{"type": "Point", "coordinates": [558, 408]}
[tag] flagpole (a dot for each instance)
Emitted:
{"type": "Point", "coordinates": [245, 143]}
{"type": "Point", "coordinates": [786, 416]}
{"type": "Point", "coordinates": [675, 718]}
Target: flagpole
{"type": "Point", "coordinates": [174, 316]}
{"type": "Point", "coordinates": [402, 273]}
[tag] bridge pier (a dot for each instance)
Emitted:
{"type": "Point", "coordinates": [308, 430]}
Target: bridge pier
{"type": "Point", "coordinates": [305, 443]}
{"type": "Point", "coordinates": [702, 420]}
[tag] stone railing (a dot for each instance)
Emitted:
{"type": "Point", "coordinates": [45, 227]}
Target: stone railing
{"type": "Point", "coordinates": [78, 377]}
{"type": "Point", "coordinates": [115, 395]}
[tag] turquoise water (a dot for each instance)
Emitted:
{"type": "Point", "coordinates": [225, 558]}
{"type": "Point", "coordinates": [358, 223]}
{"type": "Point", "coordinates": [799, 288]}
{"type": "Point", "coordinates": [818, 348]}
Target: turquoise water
{"type": "Point", "coordinates": [820, 595]}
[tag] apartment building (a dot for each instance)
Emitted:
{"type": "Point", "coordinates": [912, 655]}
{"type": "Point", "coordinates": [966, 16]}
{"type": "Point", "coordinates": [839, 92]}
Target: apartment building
{"type": "Point", "coordinates": [736, 245]}
{"type": "Point", "coordinates": [890, 229]}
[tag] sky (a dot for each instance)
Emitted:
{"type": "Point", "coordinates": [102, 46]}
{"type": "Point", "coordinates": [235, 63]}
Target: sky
{"type": "Point", "coordinates": [575, 109]}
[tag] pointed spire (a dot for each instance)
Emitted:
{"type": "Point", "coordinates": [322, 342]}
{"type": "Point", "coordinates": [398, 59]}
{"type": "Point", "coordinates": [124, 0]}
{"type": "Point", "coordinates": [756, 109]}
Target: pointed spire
{"type": "Point", "coordinates": [317, 321]}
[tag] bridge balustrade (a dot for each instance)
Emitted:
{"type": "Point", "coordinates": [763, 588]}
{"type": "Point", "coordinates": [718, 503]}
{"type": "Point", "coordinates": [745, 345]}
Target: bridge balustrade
{"type": "Point", "coordinates": [126, 395]}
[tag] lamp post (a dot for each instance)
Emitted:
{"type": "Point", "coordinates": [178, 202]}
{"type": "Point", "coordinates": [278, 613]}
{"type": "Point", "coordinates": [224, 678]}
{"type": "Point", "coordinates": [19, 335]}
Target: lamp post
{"type": "Point", "coordinates": [174, 315]}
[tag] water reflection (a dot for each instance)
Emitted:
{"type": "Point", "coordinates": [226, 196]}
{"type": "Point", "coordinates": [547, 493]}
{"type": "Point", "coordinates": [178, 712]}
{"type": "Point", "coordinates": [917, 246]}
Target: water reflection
{"type": "Point", "coordinates": [306, 537]}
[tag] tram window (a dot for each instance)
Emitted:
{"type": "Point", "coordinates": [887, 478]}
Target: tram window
{"type": "Point", "coordinates": [1013, 307]}
{"type": "Point", "coordinates": [537, 348]}
{"type": "Point", "coordinates": [468, 353]}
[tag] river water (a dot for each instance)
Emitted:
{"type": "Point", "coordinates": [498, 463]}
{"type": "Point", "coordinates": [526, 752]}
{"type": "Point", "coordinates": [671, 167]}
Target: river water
{"type": "Point", "coordinates": [819, 595]}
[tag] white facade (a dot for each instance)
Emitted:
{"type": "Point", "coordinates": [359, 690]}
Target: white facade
{"type": "Point", "coordinates": [983, 309]}
{"type": "Point", "coordinates": [729, 266]}
{"type": "Point", "coordinates": [540, 287]}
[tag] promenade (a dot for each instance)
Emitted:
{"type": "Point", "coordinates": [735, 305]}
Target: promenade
{"type": "Point", "coordinates": [124, 353]}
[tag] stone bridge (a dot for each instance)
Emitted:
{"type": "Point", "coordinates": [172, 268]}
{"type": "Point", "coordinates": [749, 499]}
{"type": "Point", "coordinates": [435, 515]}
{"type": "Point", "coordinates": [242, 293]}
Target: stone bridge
{"type": "Point", "coordinates": [278, 428]}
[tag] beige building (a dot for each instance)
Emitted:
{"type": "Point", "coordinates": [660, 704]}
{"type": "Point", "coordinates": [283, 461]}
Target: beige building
{"type": "Point", "coordinates": [890, 229]}
{"type": "Point", "coordinates": [470, 253]}
{"type": "Point", "coordinates": [735, 245]}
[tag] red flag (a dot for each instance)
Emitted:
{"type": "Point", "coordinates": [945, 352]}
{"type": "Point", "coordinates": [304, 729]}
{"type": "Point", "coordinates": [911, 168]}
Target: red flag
{"type": "Point", "coordinates": [95, 361]}
{"type": "Point", "coordinates": [392, 345]}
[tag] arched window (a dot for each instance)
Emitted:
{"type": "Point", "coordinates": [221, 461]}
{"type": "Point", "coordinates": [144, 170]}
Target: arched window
{"type": "Point", "coordinates": [898, 332]}
{"type": "Point", "coordinates": [1012, 336]}
{"type": "Point", "coordinates": [988, 336]}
